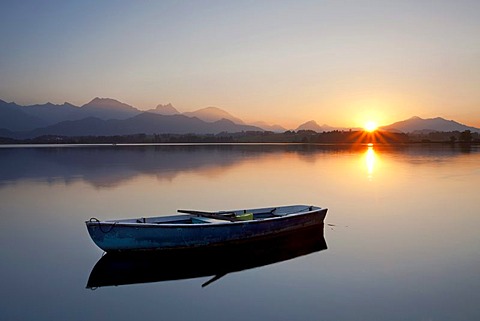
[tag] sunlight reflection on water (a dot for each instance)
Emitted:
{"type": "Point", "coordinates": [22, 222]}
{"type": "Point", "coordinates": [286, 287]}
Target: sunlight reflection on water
{"type": "Point", "coordinates": [370, 159]}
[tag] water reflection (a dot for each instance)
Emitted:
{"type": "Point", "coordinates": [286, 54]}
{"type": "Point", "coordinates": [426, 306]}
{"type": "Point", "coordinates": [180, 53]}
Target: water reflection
{"type": "Point", "coordinates": [110, 166]}
{"type": "Point", "coordinates": [370, 158]}
{"type": "Point", "coordinates": [404, 247]}
{"type": "Point", "coordinates": [122, 269]}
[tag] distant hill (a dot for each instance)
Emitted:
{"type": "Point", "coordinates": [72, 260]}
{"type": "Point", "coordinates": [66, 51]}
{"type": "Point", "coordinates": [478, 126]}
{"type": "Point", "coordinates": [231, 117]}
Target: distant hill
{"type": "Point", "coordinates": [211, 114]}
{"type": "Point", "coordinates": [208, 114]}
{"type": "Point", "coordinates": [164, 110]}
{"type": "Point", "coordinates": [107, 108]}
{"type": "Point", "coordinates": [6, 133]}
{"type": "Point", "coordinates": [144, 123]}
{"type": "Point", "coordinates": [13, 118]}
{"type": "Point", "coordinates": [416, 124]}
{"type": "Point", "coordinates": [51, 113]}
{"type": "Point", "coordinates": [273, 128]}
{"type": "Point", "coordinates": [21, 118]}
{"type": "Point", "coordinates": [312, 125]}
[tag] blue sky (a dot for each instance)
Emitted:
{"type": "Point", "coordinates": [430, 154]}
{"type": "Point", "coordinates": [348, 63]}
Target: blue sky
{"type": "Point", "coordinates": [337, 62]}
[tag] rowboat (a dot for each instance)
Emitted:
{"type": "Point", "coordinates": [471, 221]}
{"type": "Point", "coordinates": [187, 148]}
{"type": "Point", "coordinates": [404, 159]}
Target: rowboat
{"type": "Point", "coordinates": [193, 229]}
{"type": "Point", "coordinates": [137, 267]}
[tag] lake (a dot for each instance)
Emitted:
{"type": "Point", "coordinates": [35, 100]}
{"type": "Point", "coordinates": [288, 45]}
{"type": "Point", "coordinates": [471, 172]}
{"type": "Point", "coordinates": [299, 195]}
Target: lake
{"type": "Point", "coordinates": [402, 230]}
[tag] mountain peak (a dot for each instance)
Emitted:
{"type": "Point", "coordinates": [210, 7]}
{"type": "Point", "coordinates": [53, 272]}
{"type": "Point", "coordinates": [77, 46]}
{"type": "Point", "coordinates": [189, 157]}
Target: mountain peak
{"type": "Point", "coordinates": [265, 126]}
{"type": "Point", "coordinates": [430, 124]}
{"type": "Point", "coordinates": [309, 125]}
{"type": "Point", "coordinates": [167, 109]}
{"type": "Point", "coordinates": [213, 109]}
{"type": "Point", "coordinates": [104, 102]}
{"type": "Point", "coordinates": [109, 104]}
{"type": "Point", "coordinates": [211, 114]}
{"type": "Point", "coordinates": [108, 108]}
{"type": "Point", "coordinates": [313, 125]}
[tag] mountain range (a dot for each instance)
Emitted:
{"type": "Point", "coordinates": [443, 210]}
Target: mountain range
{"type": "Point", "coordinates": [438, 124]}
{"type": "Point", "coordinates": [108, 117]}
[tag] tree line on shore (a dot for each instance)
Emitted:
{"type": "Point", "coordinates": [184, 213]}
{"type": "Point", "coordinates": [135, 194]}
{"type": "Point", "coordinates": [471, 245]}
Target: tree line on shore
{"type": "Point", "coordinates": [301, 136]}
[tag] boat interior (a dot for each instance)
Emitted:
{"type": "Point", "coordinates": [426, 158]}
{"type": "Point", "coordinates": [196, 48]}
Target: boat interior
{"type": "Point", "coordinates": [199, 217]}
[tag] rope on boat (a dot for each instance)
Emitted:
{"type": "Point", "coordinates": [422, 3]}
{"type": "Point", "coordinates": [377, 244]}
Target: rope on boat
{"type": "Point", "coordinates": [96, 220]}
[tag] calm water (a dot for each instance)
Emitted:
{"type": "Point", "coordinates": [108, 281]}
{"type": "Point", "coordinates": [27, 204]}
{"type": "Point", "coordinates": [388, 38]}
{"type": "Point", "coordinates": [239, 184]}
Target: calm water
{"type": "Point", "coordinates": [402, 231]}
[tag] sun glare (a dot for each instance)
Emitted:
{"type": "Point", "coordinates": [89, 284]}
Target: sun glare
{"type": "Point", "coordinates": [370, 126]}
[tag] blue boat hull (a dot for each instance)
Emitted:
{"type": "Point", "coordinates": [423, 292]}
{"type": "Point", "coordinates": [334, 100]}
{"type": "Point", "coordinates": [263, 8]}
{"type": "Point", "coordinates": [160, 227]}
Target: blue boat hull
{"type": "Point", "coordinates": [130, 236]}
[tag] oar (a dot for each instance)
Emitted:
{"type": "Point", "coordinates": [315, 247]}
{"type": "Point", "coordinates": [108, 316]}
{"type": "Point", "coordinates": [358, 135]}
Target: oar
{"type": "Point", "coordinates": [217, 216]}
{"type": "Point", "coordinates": [215, 278]}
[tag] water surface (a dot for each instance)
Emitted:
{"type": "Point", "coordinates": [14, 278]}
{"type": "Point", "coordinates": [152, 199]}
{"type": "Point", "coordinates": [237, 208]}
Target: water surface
{"type": "Point", "coordinates": [402, 230]}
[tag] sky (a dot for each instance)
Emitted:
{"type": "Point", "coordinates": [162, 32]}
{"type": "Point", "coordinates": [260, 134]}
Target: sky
{"type": "Point", "coordinates": [337, 62]}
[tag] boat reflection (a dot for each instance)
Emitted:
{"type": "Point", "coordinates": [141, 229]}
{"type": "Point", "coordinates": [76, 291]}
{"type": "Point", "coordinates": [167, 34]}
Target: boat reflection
{"type": "Point", "coordinates": [132, 268]}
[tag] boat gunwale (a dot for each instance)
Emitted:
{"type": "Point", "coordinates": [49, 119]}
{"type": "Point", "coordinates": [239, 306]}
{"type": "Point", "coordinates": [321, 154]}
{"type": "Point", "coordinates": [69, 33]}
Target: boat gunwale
{"type": "Point", "coordinates": [119, 223]}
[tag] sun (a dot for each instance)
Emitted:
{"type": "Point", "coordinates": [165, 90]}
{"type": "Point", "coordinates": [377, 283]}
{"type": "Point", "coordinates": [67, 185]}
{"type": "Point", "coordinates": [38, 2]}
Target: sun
{"type": "Point", "coordinates": [370, 126]}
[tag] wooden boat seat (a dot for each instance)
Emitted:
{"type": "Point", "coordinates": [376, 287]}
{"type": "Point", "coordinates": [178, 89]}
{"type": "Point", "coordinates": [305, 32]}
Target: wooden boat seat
{"type": "Point", "coordinates": [206, 220]}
